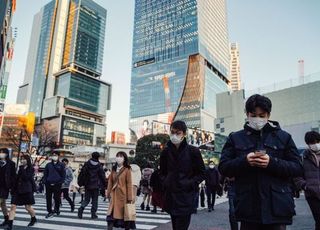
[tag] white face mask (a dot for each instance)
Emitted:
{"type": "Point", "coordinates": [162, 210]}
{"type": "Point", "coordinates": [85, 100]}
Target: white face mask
{"type": "Point", "coordinates": [54, 158]}
{"type": "Point", "coordinates": [3, 156]}
{"type": "Point", "coordinates": [211, 166]}
{"type": "Point", "coordinates": [176, 139]}
{"type": "Point", "coordinates": [119, 160]}
{"type": "Point", "coordinates": [315, 147]}
{"type": "Point", "coordinates": [24, 162]}
{"type": "Point", "coordinates": [257, 123]}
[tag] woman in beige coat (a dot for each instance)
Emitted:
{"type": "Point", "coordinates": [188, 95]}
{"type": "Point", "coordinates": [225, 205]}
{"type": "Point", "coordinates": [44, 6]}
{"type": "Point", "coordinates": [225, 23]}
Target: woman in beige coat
{"type": "Point", "coordinates": [120, 192]}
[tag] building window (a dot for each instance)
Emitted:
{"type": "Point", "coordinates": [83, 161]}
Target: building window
{"type": "Point", "coordinates": [222, 130]}
{"type": "Point", "coordinates": [221, 120]}
{"type": "Point", "coordinates": [218, 126]}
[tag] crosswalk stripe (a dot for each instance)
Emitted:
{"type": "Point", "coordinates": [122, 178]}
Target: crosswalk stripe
{"type": "Point", "coordinates": [78, 221]}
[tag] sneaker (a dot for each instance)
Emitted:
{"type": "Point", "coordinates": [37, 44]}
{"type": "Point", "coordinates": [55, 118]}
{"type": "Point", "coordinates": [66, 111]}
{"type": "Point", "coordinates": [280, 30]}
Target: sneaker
{"type": "Point", "coordinates": [57, 213]}
{"type": "Point", "coordinates": [49, 215]}
{"type": "Point", "coordinates": [148, 208]}
{"type": "Point", "coordinates": [154, 210]}
{"type": "Point", "coordinates": [209, 210]}
{"type": "Point", "coordinates": [142, 206]}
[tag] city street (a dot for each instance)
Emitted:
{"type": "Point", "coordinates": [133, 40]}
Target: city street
{"type": "Point", "coordinates": [217, 220]}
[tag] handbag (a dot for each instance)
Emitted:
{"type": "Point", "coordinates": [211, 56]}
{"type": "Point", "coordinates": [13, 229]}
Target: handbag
{"type": "Point", "coordinates": [129, 212]}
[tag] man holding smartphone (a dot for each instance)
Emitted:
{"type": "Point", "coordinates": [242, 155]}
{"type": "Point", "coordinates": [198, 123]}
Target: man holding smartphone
{"type": "Point", "coordinates": [263, 159]}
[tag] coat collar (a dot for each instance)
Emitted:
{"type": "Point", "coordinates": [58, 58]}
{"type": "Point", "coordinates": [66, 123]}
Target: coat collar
{"type": "Point", "coordinates": [311, 156]}
{"type": "Point", "coordinates": [182, 145]}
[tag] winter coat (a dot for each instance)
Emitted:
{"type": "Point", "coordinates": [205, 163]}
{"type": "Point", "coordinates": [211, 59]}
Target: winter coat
{"type": "Point", "coordinates": [155, 181]}
{"type": "Point", "coordinates": [95, 175]}
{"type": "Point", "coordinates": [181, 171]}
{"type": "Point", "coordinates": [212, 178]}
{"type": "Point", "coordinates": [120, 191]}
{"type": "Point", "coordinates": [263, 195]}
{"type": "Point", "coordinates": [310, 182]}
{"type": "Point", "coordinates": [136, 174]}
{"type": "Point", "coordinates": [25, 181]}
{"type": "Point", "coordinates": [54, 173]}
{"type": "Point", "coordinates": [9, 175]}
{"type": "Point", "coordinates": [68, 179]}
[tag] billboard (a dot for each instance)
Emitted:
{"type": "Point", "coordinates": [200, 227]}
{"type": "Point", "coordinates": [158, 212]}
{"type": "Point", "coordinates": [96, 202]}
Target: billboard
{"type": "Point", "coordinates": [160, 128]}
{"type": "Point", "coordinates": [118, 138]}
{"type": "Point", "coordinates": [198, 137]}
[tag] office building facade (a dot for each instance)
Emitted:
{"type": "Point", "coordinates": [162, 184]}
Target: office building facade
{"type": "Point", "coordinates": [63, 81]}
{"type": "Point", "coordinates": [235, 67]}
{"type": "Point", "coordinates": [180, 61]}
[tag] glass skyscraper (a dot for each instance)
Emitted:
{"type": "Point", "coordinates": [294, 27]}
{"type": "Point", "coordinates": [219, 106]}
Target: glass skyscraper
{"type": "Point", "coordinates": [66, 92]}
{"type": "Point", "coordinates": [180, 62]}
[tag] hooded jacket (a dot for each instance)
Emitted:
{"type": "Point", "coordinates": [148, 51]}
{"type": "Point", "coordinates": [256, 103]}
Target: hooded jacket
{"type": "Point", "coordinates": [263, 195]}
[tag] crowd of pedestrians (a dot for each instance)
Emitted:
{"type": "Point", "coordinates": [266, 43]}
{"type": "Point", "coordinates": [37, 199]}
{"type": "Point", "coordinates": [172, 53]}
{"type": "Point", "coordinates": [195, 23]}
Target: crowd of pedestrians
{"type": "Point", "coordinates": [260, 169]}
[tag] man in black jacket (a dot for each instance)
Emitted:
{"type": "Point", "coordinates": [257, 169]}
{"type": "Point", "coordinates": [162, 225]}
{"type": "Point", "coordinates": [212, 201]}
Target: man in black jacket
{"type": "Point", "coordinates": [182, 170]}
{"type": "Point", "coordinates": [212, 185]}
{"type": "Point", "coordinates": [310, 182]}
{"type": "Point", "coordinates": [263, 159]}
{"type": "Point", "coordinates": [7, 181]}
{"type": "Point", "coordinates": [92, 177]}
{"type": "Point", "coordinates": [54, 176]}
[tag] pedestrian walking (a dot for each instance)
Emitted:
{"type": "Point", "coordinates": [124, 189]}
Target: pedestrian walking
{"type": "Point", "coordinates": [310, 182]}
{"type": "Point", "coordinates": [136, 178]}
{"type": "Point", "coordinates": [263, 159]}
{"type": "Point", "coordinates": [120, 192]}
{"type": "Point", "coordinates": [74, 186]}
{"type": "Point", "coordinates": [54, 176]}
{"type": "Point", "coordinates": [107, 173]}
{"type": "Point", "coordinates": [145, 187]}
{"type": "Point", "coordinates": [212, 185]}
{"type": "Point", "coordinates": [202, 187]}
{"type": "Point", "coordinates": [7, 181]}
{"type": "Point", "coordinates": [66, 184]}
{"type": "Point", "coordinates": [92, 177]}
{"type": "Point", "coordinates": [22, 193]}
{"type": "Point", "coordinates": [157, 191]}
{"type": "Point", "coordinates": [230, 189]}
{"type": "Point", "coordinates": [182, 170]}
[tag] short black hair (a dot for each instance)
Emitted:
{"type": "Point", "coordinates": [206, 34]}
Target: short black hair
{"type": "Point", "coordinates": [65, 160]}
{"type": "Point", "coordinates": [260, 101]}
{"type": "Point", "coordinates": [4, 150]}
{"type": "Point", "coordinates": [179, 125]}
{"type": "Point", "coordinates": [95, 155]}
{"type": "Point", "coordinates": [312, 137]}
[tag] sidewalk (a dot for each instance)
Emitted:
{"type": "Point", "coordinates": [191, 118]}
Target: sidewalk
{"type": "Point", "coordinates": [218, 220]}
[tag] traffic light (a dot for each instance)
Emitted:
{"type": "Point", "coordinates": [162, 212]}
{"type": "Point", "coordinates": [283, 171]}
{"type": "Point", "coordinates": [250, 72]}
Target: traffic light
{"type": "Point", "coordinates": [28, 122]}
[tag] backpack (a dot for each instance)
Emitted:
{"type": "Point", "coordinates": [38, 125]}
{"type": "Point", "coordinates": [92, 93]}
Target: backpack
{"type": "Point", "coordinates": [83, 177]}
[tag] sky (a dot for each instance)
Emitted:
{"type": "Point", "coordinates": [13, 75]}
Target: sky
{"type": "Point", "coordinates": [272, 34]}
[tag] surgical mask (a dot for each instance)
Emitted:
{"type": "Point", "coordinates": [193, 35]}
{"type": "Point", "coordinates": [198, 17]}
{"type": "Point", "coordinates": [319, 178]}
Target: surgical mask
{"type": "Point", "coordinates": [257, 123]}
{"type": "Point", "coordinates": [3, 156]}
{"type": "Point", "coordinates": [315, 147]}
{"type": "Point", "coordinates": [119, 160]}
{"type": "Point", "coordinates": [176, 139]}
{"type": "Point", "coordinates": [211, 166]}
{"type": "Point", "coordinates": [23, 162]}
{"type": "Point", "coordinates": [54, 158]}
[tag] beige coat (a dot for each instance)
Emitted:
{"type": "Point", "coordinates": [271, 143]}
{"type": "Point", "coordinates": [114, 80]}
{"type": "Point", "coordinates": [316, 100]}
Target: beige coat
{"type": "Point", "coordinates": [120, 192]}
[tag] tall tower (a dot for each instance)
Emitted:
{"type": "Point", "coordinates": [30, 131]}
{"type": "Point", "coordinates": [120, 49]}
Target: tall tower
{"type": "Point", "coordinates": [235, 67]}
{"type": "Point", "coordinates": [64, 72]}
{"type": "Point", "coordinates": [183, 44]}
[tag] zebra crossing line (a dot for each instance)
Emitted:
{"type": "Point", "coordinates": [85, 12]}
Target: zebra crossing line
{"type": "Point", "coordinates": [145, 219]}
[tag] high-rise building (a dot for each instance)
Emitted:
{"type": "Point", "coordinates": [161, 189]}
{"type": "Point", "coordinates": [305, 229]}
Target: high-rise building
{"type": "Point", "coordinates": [7, 9]}
{"type": "Point", "coordinates": [62, 81]}
{"type": "Point", "coordinates": [180, 62]}
{"type": "Point", "coordinates": [235, 67]}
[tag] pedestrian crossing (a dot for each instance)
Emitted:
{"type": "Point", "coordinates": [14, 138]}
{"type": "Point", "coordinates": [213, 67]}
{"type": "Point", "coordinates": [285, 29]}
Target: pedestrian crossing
{"type": "Point", "coordinates": [67, 220]}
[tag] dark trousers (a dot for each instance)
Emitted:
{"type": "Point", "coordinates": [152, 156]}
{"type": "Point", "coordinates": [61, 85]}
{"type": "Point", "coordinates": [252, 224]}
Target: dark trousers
{"type": "Point", "coordinates": [255, 226]}
{"type": "Point", "coordinates": [65, 192]}
{"type": "Point", "coordinates": [211, 197]}
{"type": "Point", "coordinates": [54, 190]}
{"type": "Point", "coordinates": [180, 222]}
{"type": "Point", "coordinates": [91, 194]}
{"type": "Point", "coordinates": [202, 197]}
{"type": "Point", "coordinates": [314, 204]}
{"type": "Point", "coordinates": [232, 217]}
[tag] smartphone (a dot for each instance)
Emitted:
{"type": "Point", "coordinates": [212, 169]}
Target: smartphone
{"type": "Point", "coordinates": [261, 152]}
